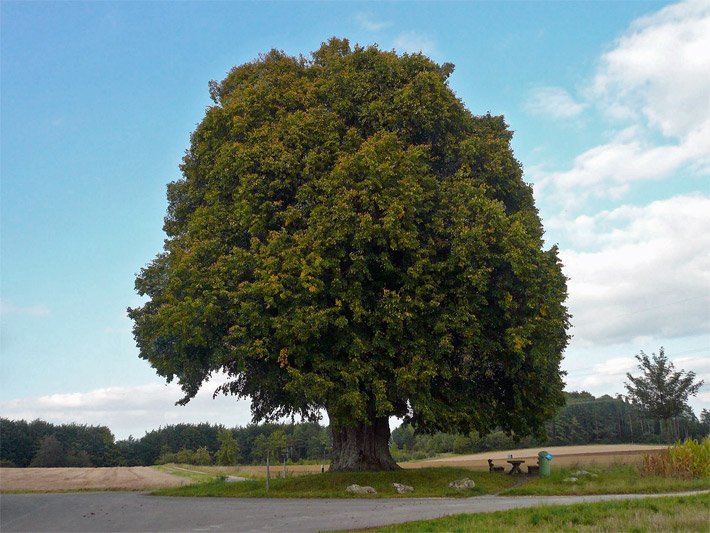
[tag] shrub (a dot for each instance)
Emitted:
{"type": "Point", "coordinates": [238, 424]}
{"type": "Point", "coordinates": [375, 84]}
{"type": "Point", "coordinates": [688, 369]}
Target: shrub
{"type": "Point", "coordinates": [184, 456]}
{"type": "Point", "coordinates": [690, 459]}
{"type": "Point", "coordinates": [165, 458]}
{"type": "Point", "coordinates": [201, 456]}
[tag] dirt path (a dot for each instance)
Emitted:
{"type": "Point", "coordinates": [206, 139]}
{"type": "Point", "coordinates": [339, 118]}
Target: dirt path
{"type": "Point", "coordinates": [52, 479]}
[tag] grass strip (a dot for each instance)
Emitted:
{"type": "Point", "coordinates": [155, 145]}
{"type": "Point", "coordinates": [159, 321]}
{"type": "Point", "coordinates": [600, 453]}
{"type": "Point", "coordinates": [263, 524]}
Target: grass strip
{"type": "Point", "coordinates": [198, 477]}
{"type": "Point", "coordinates": [617, 479]}
{"type": "Point", "coordinates": [427, 482]}
{"type": "Point", "coordinates": [433, 482]}
{"type": "Point", "coordinates": [675, 513]}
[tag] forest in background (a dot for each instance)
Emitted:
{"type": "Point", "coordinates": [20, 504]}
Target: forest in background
{"type": "Point", "coordinates": [583, 420]}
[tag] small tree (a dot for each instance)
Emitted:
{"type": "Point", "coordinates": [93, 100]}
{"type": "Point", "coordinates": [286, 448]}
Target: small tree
{"type": "Point", "coordinates": [277, 442]}
{"type": "Point", "coordinates": [259, 448]}
{"type": "Point", "coordinates": [51, 453]}
{"type": "Point", "coordinates": [201, 456]}
{"type": "Point", "coordinates": [661, 391]}
{"type": "Point", "coordinates": [184, 456]}
{"type": "Point", "coordinates": [228, 453]}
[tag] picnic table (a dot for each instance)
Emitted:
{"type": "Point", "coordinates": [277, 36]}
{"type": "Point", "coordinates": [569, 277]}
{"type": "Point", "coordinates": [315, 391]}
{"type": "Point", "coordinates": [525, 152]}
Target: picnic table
{"type": "Point", "coordinates": [515, 469]}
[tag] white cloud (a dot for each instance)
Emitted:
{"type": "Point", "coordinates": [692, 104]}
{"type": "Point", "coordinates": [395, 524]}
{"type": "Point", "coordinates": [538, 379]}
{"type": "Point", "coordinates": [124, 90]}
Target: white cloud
{"type": "Point", "coordinates": [366, 22]}
{"type": "Point", "coordinates": [699, 365]}
{"type": "Point", "coordinates": [7, 308]}
{"type": "Point", "coordinates": [639, 271]}
{"type": "Point", "coordinates": [659, 68]}
{"type": "Point", "coordinates": [655, 86]}
{"type": "Point", "coordinates": [554, 102]}
{"type": "Point", "coordinates": [611, 371]}
{"type": "Point", "coordinates": [608, 170]}
{"type": "Point", "coordinates": [132, 410]}
{"type": "Point", "coordinates": [413, 42]}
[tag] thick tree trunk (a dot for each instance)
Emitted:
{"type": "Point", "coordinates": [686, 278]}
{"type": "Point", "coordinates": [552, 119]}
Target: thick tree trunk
{"type": "Point", "coordinates": [362, 446]}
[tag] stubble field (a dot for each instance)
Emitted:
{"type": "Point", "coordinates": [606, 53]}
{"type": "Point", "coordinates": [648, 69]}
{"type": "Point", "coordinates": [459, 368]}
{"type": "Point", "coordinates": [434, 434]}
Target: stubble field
{"type": "Point", "coordinates": [64, 479]}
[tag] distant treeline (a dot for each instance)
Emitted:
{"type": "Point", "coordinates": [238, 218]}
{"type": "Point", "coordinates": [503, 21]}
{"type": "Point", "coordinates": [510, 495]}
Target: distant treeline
{"type": "Point", "coordinates": [41, 444]}
{"type": "Point", "coordinates": [583, 420]}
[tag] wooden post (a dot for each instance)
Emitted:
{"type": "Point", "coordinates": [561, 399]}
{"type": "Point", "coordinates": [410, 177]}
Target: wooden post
{"type": "Point", "coordinates": [268, 471]}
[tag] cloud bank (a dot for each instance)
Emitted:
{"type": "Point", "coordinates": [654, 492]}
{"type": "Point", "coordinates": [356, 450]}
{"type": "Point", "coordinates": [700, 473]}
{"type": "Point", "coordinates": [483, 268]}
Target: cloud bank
{"type": "Point", "coordinates": [132, 410]}
{"type": "Point", "coordinates": [640, 271]}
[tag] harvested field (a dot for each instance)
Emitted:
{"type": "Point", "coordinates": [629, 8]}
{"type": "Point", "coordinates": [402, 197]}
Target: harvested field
{"type": "Point", "coordinates": [589, 455]}
{"type": "Point", "coordinates": [117, 478]}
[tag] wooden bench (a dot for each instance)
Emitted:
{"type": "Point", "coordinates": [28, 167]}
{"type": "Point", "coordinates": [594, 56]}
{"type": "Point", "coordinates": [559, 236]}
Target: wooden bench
{"type": "Point", "coordinates": [533, 470]}
{"type": "Point", "coordinates": [493, 468]}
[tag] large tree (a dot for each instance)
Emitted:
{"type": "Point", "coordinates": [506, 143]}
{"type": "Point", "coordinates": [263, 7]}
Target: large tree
{"type": "Point", "coordinates": [348, 237]}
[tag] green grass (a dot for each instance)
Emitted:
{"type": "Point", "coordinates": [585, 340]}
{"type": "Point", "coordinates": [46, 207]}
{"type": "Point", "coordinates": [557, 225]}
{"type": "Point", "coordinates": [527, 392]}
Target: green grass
{"type": "Point", "coordinates": [185, 471]}
{"type": "Point", "coordinates": [427, 482]}
{"type": "Point", "coordinates": [677, 513]}
{"type": "Point", "coordinates": [618, 479]}
{"type": "Point", "coordinates": [432, 482]}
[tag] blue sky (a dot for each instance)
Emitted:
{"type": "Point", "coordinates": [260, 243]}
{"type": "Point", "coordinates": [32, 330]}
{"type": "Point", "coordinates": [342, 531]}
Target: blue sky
{"type": "Point", "coordinates": [609, 101]}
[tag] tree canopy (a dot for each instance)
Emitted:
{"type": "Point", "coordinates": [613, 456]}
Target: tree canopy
{"type": "Point", "coordinates": [347, 236]}
{"type": "Point", "coordinates": [661, 390]}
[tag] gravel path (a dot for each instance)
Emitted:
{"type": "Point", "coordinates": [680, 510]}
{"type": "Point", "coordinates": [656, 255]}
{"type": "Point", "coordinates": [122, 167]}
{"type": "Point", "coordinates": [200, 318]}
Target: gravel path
{"type": "Point", "coordinates": [131, 511]}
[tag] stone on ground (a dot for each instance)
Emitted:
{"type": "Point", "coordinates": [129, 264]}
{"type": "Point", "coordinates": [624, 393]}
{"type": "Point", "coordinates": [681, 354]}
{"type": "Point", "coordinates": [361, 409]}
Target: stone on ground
{"type": "Point", "coordinates": [461, 484]}
{"type": "Point", "coordinates": [357, 489]}
{"type": "Point", "coordinates": [401, 489]}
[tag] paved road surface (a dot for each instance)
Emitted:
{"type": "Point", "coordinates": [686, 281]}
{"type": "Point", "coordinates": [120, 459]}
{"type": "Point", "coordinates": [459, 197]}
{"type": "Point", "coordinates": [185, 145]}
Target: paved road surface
{"type": "Point", "coordinates": [132, 511]}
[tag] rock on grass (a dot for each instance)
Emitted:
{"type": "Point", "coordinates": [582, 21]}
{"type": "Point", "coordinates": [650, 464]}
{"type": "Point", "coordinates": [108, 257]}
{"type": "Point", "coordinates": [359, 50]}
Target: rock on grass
{"type": "Point", "coordinates": [401, 489]}
{"type": "Point", "coordinates": [357, 489]}
{"type": "Point", "coordinates": [461, 484]}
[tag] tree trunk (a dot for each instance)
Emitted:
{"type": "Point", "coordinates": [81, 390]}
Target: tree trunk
{"type": "Point", "coordinates": [362, 446]}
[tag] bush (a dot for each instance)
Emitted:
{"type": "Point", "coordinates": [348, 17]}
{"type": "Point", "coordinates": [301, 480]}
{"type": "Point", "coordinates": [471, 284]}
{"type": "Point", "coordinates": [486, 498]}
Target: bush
{"type": "Point", "coordinates": [201, 456]}
{"type": "Point", "coordinates": [690, 459]}
{"type": "Point", "coordinates": [184, 456]}
{"type": "Point", "coordinates": [228, 453]}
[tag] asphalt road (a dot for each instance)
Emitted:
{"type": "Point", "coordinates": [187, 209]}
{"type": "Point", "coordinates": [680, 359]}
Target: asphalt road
{"type": "Point", "coordinates": [132, 511]}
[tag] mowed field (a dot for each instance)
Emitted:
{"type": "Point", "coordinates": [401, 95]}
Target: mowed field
{"type": "Point", "coordinates": [145, 478]}
{"type": "Point", "coordinates": [589, 455]}
{"type": "Point", "coordinates": [114, 478]}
